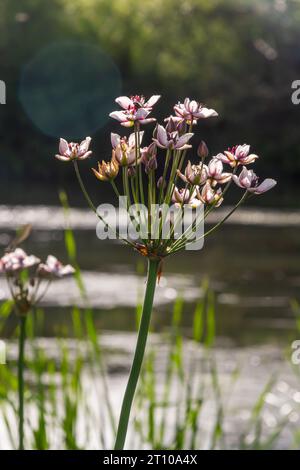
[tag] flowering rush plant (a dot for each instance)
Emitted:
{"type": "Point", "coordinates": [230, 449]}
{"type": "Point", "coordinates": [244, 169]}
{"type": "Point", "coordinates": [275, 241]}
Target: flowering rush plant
{"type": "Point", "coordinates": [28, 279]}
{"type": "Point", "coordinates": [194, 188]}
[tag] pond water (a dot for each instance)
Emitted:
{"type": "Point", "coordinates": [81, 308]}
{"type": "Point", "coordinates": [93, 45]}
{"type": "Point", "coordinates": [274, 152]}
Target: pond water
{"type": "Point", "coordinates": [252, 263]}
{"type": "Point", "coordinates": [253, 266]}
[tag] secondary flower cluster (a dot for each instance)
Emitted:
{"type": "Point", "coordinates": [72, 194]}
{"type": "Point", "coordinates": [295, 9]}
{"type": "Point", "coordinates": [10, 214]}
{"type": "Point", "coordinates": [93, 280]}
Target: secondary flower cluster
{"type": "Point", "coordinates": [28, 277]}
{"type": "Point", "coordinates": [204, 182]}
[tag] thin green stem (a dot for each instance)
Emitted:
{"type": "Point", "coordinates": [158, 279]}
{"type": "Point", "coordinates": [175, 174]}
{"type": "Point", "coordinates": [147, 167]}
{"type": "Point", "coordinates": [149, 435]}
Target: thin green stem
{"type": "Point", "coordinates": [139, 168]}
{"type": "Point", "coordinates": [85, 193]}
{"type": "Point", "coordinates": [161, 190]}
{"type": "Point", "coordinates": [228, 215]}
{"type": "Point", "coordinates": [22, 336]}
{"type": "Point", "coordinates": [93, 207]}
{"type": "Point", "coordinates": [215, 226]}
{"type": "Point", "coordinates": [182, 240]}
{"type": "Point", "coordinates": [138, 355]}
{"type": "Point", "coordinates": [115, 188]}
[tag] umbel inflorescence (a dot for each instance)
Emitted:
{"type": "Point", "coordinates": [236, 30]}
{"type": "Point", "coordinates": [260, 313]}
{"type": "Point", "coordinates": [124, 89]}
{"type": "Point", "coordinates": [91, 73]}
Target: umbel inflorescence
{"type": "Point", "coordinates": [28, 278]}
{"type": "Point", "coordinates": [179, 183]}
{"type": "Point", "coordinates": [155, 178]}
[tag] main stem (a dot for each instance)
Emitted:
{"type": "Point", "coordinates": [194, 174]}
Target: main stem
{"type": "Point", "coordinates": [21, 380]}
{"type": "Point", "coordinates": [138, 355]}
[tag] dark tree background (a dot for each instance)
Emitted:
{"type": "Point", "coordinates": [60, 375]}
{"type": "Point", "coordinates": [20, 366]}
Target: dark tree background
{"type": "Point", "coordinates": [237, 56]}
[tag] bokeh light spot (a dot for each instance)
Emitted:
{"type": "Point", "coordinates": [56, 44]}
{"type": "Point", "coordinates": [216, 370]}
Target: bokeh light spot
{"type": "Point", "coordinates": [69, 88]}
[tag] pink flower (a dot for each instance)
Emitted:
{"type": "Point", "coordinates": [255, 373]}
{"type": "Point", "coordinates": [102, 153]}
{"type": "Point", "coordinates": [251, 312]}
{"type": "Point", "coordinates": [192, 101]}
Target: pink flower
{"type": "Point", "coordinates": [172, 140]}
{"type": "Point", "coordinates": [149, 157]}
{"type": "Point", "coordinates": [125, 148]}
{"type": "Point", "coordinates": [209, 195]}
{"type": "Point", "coordinates": [238, 155]}
{"type": "Point", "coordinates": [136, 109]}
{"type": "Point", "coordinates": [137, 101]}
{"type": "Point", "coordinates": [194, 174]}
{"type": "Point", "coordinates": [54, 268]}
{"type": "Point", "coordinates": [248, 180]}
{"type": "Point", "coordinates": [215, 172]}
{"type": "Point", "coordinates": [175, 123]}
{"type": "Point", "coordinates": [184, 196]}
{"type": "Point", "coordinates": [17, 260]}
{"type": "Point", "coordinates": [72, 151]}
{"type": "Point", "coordinates": [190, 111]}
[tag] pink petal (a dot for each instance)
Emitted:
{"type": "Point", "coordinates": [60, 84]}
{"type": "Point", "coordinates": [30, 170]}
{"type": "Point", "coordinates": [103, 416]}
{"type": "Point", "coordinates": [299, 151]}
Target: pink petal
{"type": "Point", "coordinates": [242, 150]}
{"type": "Point", "coordinates": [183, 139]}
{"type": "Point", "coordinates": [237, 181]}
{"type": "Point", "coordinates": [84, 145]}
{"type": "Point", "coordinates": [215, 167]}
{"type": "Point", "coordinates": [178, 111]}
{"type": "Point", "coordinates": [206, 113]}
{"type": "Point", "coordinates": [131, 139]}
{"type": "Point", "coordinates": [250, 159]}
{"type": "Point", "coordinates": [142, 113]}
{"type": "Point", "coordinates": [162, 137]}
{"type": "Point", "coordinates": [223, 158]}
{"type": "Point", "coordinates": [193, 106]}
{"type": "Point", "coordinates": [124, 102]}
{"type": "Point", "coordinates": [63, 146]}
{"type": "Point", "coordinates": [68, 269]}
{"type": "Point", "coordinates": [115, 140]}
{"type": "Point", "coordinates": [146, 121]}
{"type": "Point", "coordinates": [119, 116]}
{"type": "Point", "coordinates": [184, 147]}
{"type": "Point", "coordinates": [62, 158]}
{"type": "Point", "coordinates": [224, 178]}
{"type": "Point", "coordinates": [85, 155]}
{"type": "Point", "coordinates": [265, 186]}
{"type": "Point", "coordinates": [161, 146]}
{"type": "Point", "coordinates": [152, 101]}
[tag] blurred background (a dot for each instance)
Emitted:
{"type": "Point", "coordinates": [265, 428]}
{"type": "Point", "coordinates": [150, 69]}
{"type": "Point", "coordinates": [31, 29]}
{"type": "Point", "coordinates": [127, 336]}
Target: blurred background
{"type": "Point", "coordinates": [63, 63]}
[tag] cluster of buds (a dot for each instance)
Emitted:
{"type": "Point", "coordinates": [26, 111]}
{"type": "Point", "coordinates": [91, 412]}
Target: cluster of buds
{"type": "Point", "coordinates": [205, 182]}
{"type": "Point", "coordinates": [28, 277]}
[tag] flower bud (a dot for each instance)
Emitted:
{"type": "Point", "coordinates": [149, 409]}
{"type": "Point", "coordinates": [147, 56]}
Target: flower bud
{"type": "Point", "coordinates": [107, 171]}
{"type": "Point", "coordinates": [202, 150]}
{"type": "Point", "coordinates": [131, 171]}
{"type": "Point", "coordinates": [160, 183]}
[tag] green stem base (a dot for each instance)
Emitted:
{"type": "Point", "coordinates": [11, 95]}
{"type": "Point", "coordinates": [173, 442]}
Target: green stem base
{"type": "Point", "coordinates": [22, 336]}
{"type": "Point", "coordinates": [138, 355]}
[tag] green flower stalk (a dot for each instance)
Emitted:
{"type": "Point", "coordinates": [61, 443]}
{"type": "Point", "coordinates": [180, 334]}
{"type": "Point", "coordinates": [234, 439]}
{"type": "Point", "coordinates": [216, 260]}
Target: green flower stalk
{"type": "Point", "coordinates": [150, 176]}
{"type": "Point", "coordinates": [153, 266]}
{"type": "Point", "coordinates": [28, 280]}
{"type": "Point", "coordinates": [22, 337]}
